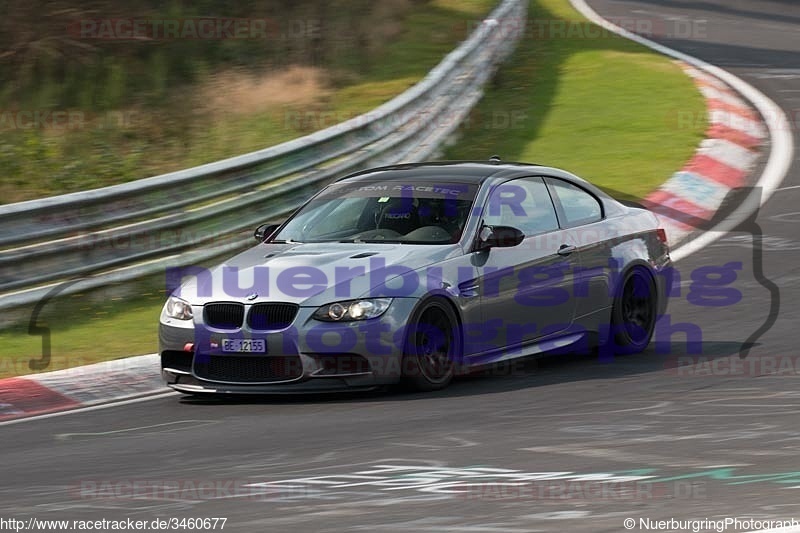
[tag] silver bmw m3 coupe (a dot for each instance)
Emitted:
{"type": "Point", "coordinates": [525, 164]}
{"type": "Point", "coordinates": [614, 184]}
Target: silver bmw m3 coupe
{"type": "Point", "coordinates": [414, 273]}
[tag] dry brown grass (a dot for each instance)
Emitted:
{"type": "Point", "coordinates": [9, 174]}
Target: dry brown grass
{"type": "Point", "coordinates": [236, 92]}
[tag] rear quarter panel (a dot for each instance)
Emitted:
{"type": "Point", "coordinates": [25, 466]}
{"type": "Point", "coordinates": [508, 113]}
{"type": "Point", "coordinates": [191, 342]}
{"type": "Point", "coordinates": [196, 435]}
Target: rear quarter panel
{"type": "Point", "coordinates": [609, 248]}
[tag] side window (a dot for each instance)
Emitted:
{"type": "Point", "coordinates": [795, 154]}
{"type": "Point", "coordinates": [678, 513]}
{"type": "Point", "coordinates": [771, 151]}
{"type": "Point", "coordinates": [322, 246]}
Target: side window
{"type": "Point", "coordinates": [579, 207]}
{"type": "Point", "coordinates": [524, 204]}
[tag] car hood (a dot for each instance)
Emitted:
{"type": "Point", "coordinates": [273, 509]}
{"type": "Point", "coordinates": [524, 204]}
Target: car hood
{"type": "Point", "coordinates": [309, 274]}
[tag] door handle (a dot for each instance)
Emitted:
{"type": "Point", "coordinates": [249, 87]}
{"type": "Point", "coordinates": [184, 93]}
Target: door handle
{"type": "Point", "coordinates": [566, 249]}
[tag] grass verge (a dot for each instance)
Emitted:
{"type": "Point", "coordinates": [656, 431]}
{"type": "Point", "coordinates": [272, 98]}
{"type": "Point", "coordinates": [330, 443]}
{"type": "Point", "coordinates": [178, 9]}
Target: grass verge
{"type": "Point", "coordinates": [604, 108]}
{"type": "Point", "coordinates": [85, 331]}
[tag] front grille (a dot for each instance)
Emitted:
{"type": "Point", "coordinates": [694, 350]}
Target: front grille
{"type": "Point", "coordinates": [250, 369]}
{"type": "Point", "coordinates": [271, 316]}
{"type": "Point", "coordinates": [224, 316]}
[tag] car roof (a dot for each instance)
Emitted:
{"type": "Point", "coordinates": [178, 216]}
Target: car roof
{"type": "Point", "coordinates": [455, 171]}
{"type": "Point", "coordinates": [467, 172]}
{"type": "Point", "coordinates": [474, 172]}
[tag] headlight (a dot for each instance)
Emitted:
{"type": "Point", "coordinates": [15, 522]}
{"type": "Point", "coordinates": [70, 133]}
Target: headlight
{"type": "Point", "coordinates": [177, 308]}
{"type": "Point", "coordinates": [353, 310]}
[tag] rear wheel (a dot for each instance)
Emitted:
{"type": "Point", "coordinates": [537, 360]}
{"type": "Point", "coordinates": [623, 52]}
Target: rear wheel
{"type": "Point", "coordinates": [633, 316]}
{"type": "Point", "coordinates": [430, 348]}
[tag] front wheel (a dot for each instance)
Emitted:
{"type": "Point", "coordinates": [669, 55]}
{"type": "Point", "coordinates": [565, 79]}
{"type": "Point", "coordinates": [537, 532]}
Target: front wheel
{"type": "Point", "coordinates": [431, 345]}
{"type": "Point", "coordinates": [633, 316]}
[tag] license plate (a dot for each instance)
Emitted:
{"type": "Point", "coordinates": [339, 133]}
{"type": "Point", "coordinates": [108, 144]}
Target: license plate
{"type": "Point", "coordinates": [244, 345]}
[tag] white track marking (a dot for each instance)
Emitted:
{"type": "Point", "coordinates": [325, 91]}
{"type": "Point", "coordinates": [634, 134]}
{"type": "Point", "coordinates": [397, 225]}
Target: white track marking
{"type": "Point", "coordinates": [171, 425]}
{"type": "Point", "coordinates": [90, 408]}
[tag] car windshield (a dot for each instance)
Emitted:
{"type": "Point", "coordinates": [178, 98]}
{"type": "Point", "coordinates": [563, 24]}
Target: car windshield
{"type": "Point", "coordinates": [426, 212]}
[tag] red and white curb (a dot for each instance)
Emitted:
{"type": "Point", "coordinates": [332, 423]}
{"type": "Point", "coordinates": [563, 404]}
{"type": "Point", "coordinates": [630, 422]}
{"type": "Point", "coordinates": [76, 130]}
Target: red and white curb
{"type": "Point", "coordinates": [81, 386]}
{"type": "Point", "coordinates": [690, 198]}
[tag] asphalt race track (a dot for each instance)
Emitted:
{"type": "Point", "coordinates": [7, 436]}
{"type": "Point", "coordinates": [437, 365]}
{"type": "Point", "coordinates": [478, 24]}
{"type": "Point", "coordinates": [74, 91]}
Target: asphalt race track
{"type": "Point", "coordinates": [635, 438]}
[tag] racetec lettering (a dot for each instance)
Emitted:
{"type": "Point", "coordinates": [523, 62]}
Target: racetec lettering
{"type": "Point", "coordinates": [402, 190]}
{"type": "Point", "coordinates": [414, 188]}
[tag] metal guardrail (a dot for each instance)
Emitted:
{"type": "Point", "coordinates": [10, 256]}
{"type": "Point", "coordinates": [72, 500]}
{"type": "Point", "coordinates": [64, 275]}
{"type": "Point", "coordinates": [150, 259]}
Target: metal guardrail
{"type": "Point", "coordinates": [134, 229]}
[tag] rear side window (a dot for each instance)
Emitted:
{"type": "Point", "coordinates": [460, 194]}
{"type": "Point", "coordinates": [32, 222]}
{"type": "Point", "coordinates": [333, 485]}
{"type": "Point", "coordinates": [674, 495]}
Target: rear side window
{"type": "Point", "coordinates": [524, 204]}
{"type": "Point", "coordinates": [577, 205]}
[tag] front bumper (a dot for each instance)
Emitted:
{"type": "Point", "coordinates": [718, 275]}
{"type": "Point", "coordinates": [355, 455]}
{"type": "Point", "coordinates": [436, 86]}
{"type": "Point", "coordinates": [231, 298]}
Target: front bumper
{"type": "Point", "coordinates": [308, 356]}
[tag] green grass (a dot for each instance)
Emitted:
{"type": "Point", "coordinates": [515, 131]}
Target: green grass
{"type": "Point", "coordinates": [85, 330]}
{"type": "Point", "coordinates": [602, 108]}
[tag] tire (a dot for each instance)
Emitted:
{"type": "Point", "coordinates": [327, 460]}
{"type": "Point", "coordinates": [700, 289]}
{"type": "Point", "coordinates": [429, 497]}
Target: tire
{"type": "Point", "coordinates": [431, 344]}
{"type": "Point", "coordinates": [634, 313]}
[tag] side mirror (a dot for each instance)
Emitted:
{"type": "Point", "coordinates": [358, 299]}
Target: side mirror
{"type": "Point", "coordinates": [265, 231]}
{"type": "Point", "coordinates": [499, 237]}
